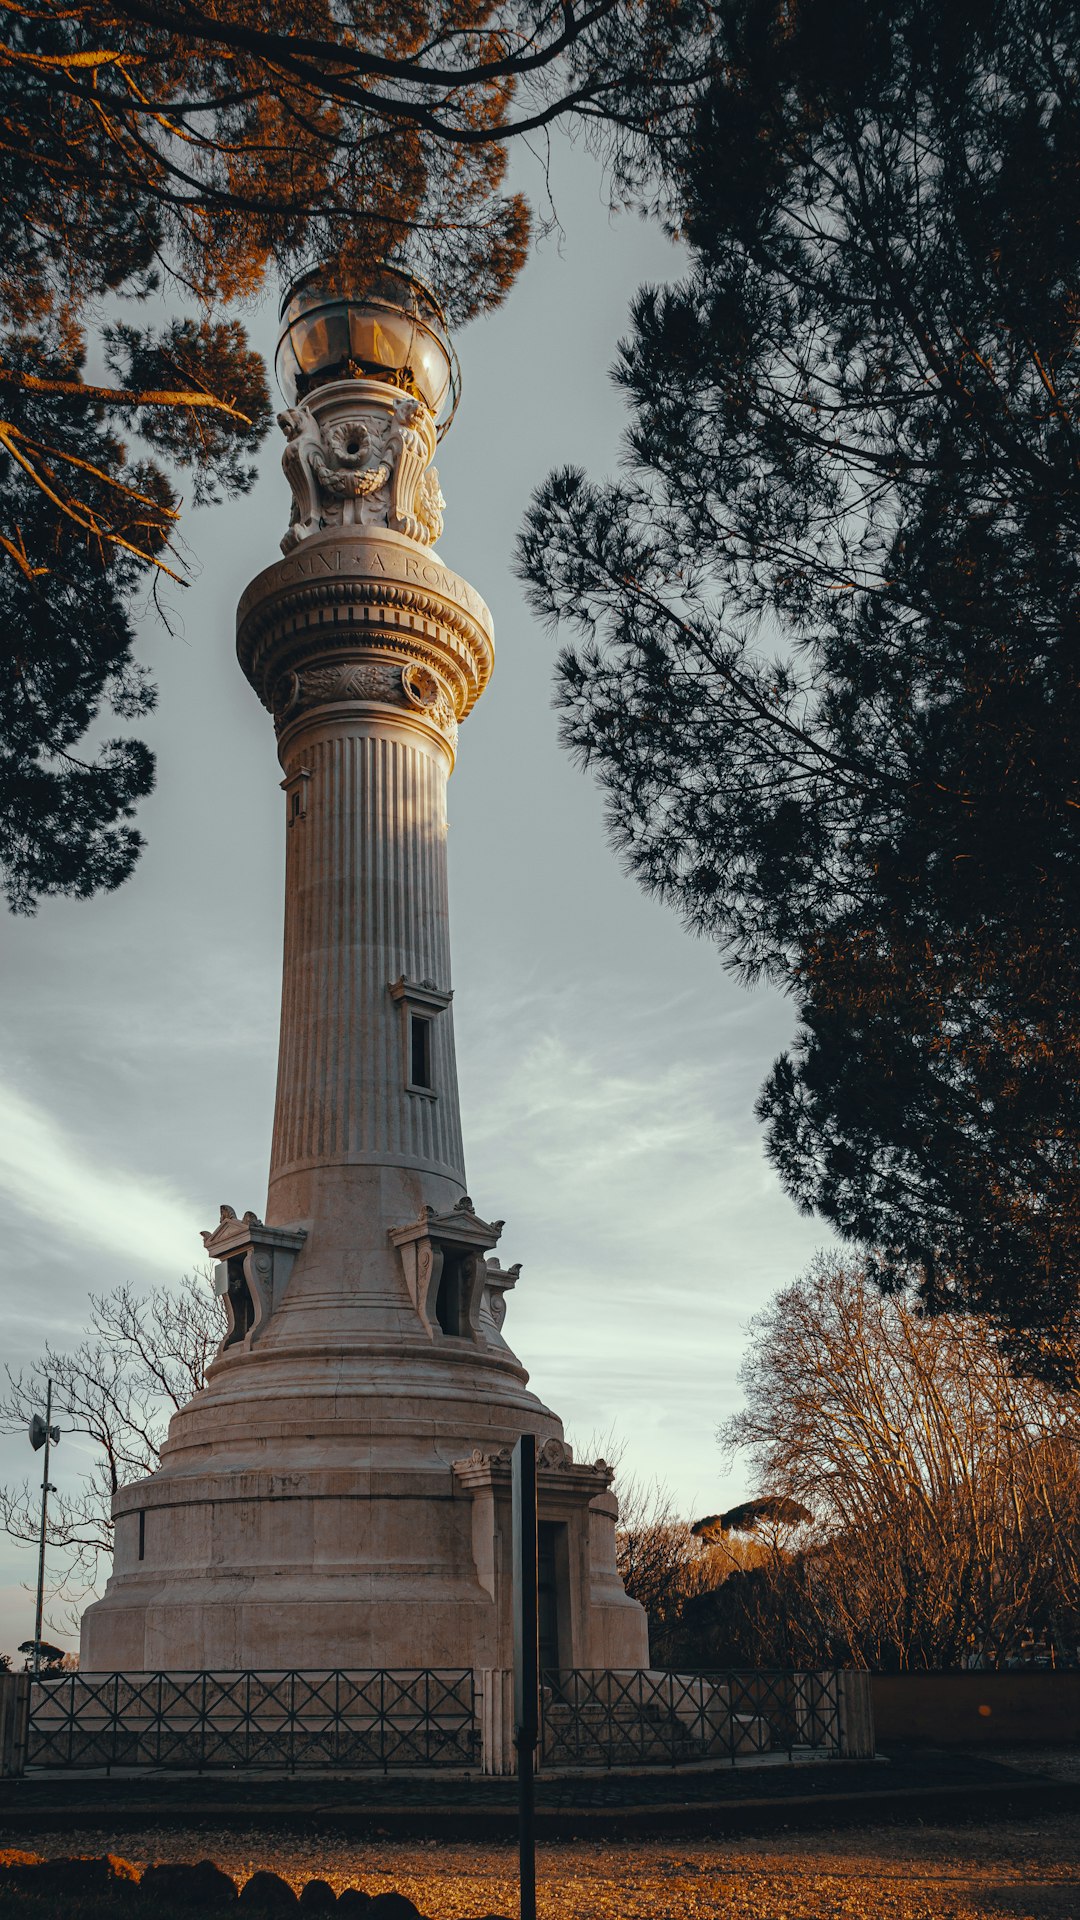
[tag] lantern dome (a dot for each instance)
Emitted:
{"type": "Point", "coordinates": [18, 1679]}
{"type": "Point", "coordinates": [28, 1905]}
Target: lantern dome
{"type": "Point", "coordinates": [385, 326]}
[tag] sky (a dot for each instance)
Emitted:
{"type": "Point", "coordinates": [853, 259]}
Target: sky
{"type": "Point", "coordinates": [608, 1063]}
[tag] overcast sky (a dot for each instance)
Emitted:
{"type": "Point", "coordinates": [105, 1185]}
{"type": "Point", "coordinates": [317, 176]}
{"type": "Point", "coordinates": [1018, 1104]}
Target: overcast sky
{"type": "Point", "coordinates": [608, 1064]}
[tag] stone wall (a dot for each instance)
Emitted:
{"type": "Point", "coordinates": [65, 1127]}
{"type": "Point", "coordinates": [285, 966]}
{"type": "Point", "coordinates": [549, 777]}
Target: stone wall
{"type": "Point", "coordinates": [1030, 1708]}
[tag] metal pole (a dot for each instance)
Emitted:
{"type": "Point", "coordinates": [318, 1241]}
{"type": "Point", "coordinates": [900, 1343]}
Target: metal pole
{"type": "Point", "coordinates": [526, 1662]}
{"type": "Point", "coordinates": [41, 1540]}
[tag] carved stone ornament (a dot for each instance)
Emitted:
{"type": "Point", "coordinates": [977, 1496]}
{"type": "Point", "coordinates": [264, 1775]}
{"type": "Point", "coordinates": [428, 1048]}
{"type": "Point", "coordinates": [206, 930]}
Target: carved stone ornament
{"type": "Point", "coordinates": [554, 1456]}
{"type": "Point", "coordinates": [352, 680]}
{"type": "Point", "coordinates": [365, 599]}
{"type": "Point", "coordinates": [425, 691]}
{"type": "Point", "coordinates": [491, 1456]}
{"type": "Point", "coordinates": [362, 467]}
{"type": "Point", "coordinates": [498, 1282]}
{"type": "Point", "coordinates": [421, 686]}
{"type": "Point", "coordinates": [563, 1477]}
{"type": "Point", "coordinates": [253, 1265]}
{"type": "Point", "coordinates": [436, 1244]}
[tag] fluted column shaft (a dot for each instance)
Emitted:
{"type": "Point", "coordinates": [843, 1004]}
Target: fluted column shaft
{"type": "Point", "coordinates": [368, 651]}
{"type": "Point", "coordinates": [365, 907]}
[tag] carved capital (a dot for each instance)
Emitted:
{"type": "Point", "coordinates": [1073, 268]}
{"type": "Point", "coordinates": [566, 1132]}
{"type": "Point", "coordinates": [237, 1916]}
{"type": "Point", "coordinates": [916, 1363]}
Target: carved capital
{"type": "Point", "coordinates": [359, 456]}
{"type": "Point", "coordinates": [365, 617]}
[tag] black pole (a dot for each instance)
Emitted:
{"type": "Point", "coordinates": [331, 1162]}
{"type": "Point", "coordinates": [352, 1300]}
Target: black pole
{"type": "Point", "coordinates": [526, 1662]}
{"type": "Point", "coordinates": [45, 1492]}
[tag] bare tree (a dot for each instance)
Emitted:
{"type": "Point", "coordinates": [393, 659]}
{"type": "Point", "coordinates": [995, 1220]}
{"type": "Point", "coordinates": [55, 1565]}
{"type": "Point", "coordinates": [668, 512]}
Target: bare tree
{"type": "Point", "coordinates": [141, 1360]}
{"type": "Point", "coordinates": [664, 1565]}
{"type": "Point", "coordinates": [945, 1490]}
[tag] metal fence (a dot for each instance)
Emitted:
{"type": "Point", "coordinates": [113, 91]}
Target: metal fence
{"type": "Point", "coordinates": [360, 1720]}
{"type": "Point", "coordinates": [387, 1720]}
{"type": "Point", "coordinates": [595, 1718]}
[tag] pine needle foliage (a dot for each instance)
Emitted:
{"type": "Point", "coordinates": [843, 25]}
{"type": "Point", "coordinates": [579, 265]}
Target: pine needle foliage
{"type": "Point", "coordinates": [827, 652]}
{"type": "Point", "coordinates": [163, 162]}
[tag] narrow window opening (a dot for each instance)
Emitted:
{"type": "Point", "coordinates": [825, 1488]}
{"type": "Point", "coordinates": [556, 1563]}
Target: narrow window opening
{"type": "Point", "coordinates": [142, 1533]}
{"type": "Point", "coordinates": [295, 788]}
{"type": "Point", "coordinates": [419, 1051]}
{"type": "Point", "coordinates": [450, 1298]}
{"type": "Point", "coordinates": [241, 1305]}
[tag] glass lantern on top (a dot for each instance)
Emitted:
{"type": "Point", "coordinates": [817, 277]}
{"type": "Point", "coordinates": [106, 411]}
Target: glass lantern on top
{"type": "Point", "coordinates": [389, 326]}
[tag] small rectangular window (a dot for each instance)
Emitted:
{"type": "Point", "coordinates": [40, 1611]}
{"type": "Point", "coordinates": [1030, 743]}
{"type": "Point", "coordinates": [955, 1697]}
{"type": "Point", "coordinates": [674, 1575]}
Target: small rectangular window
{"type": "Point", "coordinates": [142, 1533]}
{"type": "Point", "coordinates": [419, 1051]}
{"type": "Point", "coordinates": [295, 789]}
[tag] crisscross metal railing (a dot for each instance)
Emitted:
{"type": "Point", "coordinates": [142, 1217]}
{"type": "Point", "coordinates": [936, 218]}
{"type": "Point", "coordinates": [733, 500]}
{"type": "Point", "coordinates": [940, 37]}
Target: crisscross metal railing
{"type": "Point", "coordinates": [595, 1718]}
{"type": "Point", "coordinates": [362, 1720]}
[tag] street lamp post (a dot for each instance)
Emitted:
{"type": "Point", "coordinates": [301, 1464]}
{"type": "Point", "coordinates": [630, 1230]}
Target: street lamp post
{"type": "Point", "coordinates": [42, 1434]}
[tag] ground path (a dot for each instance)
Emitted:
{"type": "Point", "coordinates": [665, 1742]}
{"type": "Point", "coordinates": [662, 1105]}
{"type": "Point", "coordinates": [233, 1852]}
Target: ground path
{"type": "Point", "coordinates": [1027, 1869]}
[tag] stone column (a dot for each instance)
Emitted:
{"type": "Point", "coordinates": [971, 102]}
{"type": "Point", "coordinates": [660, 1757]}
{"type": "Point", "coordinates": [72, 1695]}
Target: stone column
{"type": "Point", "coordinates": [334, 1495]}
{"type": "Point", "coordinates": [368, 651]}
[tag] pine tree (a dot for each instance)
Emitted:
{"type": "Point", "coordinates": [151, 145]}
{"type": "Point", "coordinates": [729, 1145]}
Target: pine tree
{"type": "Point", "coordinates": [165, 150]}
{"type": "Point", "coordinates": [828, 668]}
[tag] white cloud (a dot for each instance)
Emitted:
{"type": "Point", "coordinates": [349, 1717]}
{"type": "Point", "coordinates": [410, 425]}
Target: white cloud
{"type": "Point", "coordinates": [70, 1196]}
{"type": "Point", "coordinates": [648, 1221]}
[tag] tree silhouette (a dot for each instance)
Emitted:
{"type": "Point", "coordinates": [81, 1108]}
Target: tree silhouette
{"type": "Point", "coordinates": [828, 665]}
{"type": "Point", "coordinates": [187, 153]}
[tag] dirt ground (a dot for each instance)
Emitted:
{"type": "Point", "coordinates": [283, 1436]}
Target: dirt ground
{"type": "Point", "coordinates": [1026, 1869]}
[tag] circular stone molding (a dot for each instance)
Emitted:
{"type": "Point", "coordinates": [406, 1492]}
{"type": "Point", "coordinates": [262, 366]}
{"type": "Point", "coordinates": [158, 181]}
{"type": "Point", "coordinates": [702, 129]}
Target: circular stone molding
{"type": "Point", "coordinates": [422, 687]}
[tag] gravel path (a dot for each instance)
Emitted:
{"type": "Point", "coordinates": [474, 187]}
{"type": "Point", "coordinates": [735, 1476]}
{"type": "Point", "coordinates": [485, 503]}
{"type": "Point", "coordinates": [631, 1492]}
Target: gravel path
{"type": "Point", "coordinates": [1029, 1870]}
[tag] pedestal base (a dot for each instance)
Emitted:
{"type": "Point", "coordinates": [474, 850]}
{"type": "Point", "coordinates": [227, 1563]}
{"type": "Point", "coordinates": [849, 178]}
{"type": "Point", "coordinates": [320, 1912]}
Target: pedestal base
{"type": "Point", "coordinates": [352, 1569]}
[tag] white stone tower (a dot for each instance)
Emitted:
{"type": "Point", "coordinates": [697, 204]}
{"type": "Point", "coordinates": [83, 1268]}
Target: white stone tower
{"type": "Point", "coordinates": [338, 1495]}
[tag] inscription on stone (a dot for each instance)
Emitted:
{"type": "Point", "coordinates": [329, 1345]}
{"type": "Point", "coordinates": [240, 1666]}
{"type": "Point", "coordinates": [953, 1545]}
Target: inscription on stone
{"type": "Point", "coordinates": [366, 560]}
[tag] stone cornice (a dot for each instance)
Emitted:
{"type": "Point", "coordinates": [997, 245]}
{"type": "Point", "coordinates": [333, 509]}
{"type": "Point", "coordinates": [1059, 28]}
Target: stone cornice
{"type": "Point", "coordinates": [353, 593]}
{"type": "Point", "coordinates": [556, 1468]}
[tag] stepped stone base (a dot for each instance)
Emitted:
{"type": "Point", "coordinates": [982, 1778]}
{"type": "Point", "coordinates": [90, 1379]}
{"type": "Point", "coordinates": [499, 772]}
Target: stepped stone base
{"type": "Point", "coordinates": [396, 1567]}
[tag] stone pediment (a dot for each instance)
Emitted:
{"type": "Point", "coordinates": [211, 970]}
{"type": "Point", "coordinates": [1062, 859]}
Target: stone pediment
{"type": "Point", "coordinates": [462, 1223]}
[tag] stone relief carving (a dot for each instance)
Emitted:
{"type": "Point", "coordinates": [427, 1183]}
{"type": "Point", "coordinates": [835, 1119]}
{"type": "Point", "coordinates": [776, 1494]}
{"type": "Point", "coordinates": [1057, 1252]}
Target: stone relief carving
{"type": "Point", "coordinates": [494, 1456]}
{"type": "Point", "coordinates": [410, 450]}
{"type": "Point", "coordinates": [228, 1219]}
{"type": "Point", "coordinates": [304, 440]}
{"type": "Point", "coordinates": [553, 1456]}
{"type": "Point", "coordinates": [430, 503]}
{"type": "Point", "coordinates": [421, 685]}
{"type": "Point", "coordinates": [361, 469]}
{"type": "Point", "coordinates": [352, 680]}
{"type": "Point", "coordinates": [498, 1282]}
{"type": "Point", "coordinates": [413, 685]}
{"type": "Point", "coordinates": [424, 689]}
